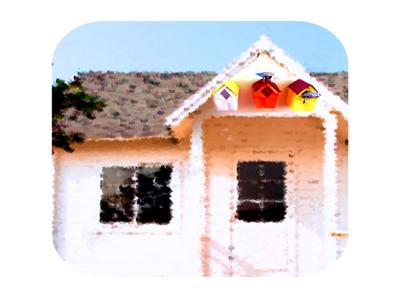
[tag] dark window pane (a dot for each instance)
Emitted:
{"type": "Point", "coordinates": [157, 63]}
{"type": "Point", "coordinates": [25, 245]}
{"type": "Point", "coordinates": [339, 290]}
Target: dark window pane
{"type": "Point", "coordinates": [154, 195]}
{"type": "Point", "coordinates": [117, 198]}
{"type": "Point", "coordinates": [272, 190]}
{"type": "Point", "coordinates": [162, 200]}
{"type": "Point", "coordinates": [113, 177]}
{"type": "Point", "coordinates": [274, 169]}
{"type": "Point", "coordinates": [154, 214]}
{"type": "Point", "coordinates": [150, 189]}
{"type": "Point", "coordinates": [116, 208]}
{"type": "Point", "coordinates": [248, 171]}
{"type": "Point", "coordinates": [163, 175]}
{"type": "Point", "coordinates": [249, 190]}
{"type": "Point", "coordinates": [145, 186]}
{"type": "Point", "coordinates": [264, 183]}
{"type": "Point", "coordinates": [273, 211]}
{"type": "Point", "coordinates": [249, 211]}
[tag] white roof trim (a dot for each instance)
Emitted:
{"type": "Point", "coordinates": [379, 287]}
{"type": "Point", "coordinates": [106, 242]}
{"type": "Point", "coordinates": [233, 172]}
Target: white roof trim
{"type": "Point", "coordinates": [263, 44]}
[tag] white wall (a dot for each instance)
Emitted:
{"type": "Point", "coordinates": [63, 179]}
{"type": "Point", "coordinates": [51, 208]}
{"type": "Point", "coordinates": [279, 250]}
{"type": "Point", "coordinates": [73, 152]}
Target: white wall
{"type": "Point", "coordinates": [305, 236]}
{"type": "Point", "coordinates": [298, 244]}
{"type": "Point", "coordinates": [122, 249]}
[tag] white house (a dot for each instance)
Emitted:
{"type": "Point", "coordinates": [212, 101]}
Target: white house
{"type": "Point", "coordinates": [251, 192]}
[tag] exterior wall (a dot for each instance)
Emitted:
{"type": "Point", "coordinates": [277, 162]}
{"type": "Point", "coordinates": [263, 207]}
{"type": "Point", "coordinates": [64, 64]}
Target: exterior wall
{"type": "Point", "coordinates": [122, 249]}
{"type": "Point", "coordinates": [306, 142]}
{"type": "Point", "coordinates": [342, 182]}
{"type": "Point", "coordinates": [204, 237]}
{"type": "Point", "coordinates": [294, 246]}
{"type": "Point", "coordinates": [183, 130]}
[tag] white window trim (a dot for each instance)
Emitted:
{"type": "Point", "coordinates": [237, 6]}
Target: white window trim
{"type": "Point", "coordinates": [152, 228]}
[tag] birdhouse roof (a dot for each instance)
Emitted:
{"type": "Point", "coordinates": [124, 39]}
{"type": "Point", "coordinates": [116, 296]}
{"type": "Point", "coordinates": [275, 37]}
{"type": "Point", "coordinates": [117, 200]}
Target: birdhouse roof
{"type": "Point", "coordinates": [299, 85]}
{"type": "Point", "coordinates": [231, 85]}
{"type": "Point", "coordinates": [261, 83]}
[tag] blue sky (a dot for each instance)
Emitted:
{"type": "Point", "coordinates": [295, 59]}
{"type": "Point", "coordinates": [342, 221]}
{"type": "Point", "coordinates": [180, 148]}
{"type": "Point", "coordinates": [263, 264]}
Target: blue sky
{"type": "Point", "coordinates": [189, 46]}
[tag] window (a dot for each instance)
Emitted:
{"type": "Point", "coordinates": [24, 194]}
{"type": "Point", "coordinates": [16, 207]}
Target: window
{"type": "Point", "coordinates": [225, 94]}
{"type": "Point", "coordinates": [140, 194]}
{"type": "Point", "coordinates": [261, 187]}
{"type": "Point", "coordinates": [267, 91]}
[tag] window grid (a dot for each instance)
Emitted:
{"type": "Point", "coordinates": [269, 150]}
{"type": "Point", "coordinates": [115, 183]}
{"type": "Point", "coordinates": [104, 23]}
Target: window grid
{"type": "Point", "coordinates": [136, 195]}
{"type": "Point", "coordinates": [261, 191]}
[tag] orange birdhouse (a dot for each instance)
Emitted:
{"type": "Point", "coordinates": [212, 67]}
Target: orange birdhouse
{"type": "Point", "coordinates": [265, 92]}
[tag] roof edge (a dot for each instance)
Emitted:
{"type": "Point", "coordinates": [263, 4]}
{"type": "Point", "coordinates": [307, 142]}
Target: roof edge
{"type": "Point", "coordinates": [201, 96]}
{"type": "Point", "coordinates": [263, 44]}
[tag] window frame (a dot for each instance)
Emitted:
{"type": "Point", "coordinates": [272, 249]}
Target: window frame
{"type": "Point", "coordinates": [176, 197]}
{"type": "Point", "coordinates": [263, 201]}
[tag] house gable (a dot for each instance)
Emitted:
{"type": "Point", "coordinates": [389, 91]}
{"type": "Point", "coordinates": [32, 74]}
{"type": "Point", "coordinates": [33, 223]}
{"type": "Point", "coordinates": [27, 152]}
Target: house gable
{"type": "Point", "coordinates": [261, 55]}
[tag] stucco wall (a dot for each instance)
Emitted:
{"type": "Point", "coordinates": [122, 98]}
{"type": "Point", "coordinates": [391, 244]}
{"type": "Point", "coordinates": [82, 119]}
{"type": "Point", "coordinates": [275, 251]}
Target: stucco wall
{"type": "Point", "coordinates": [292, 246]}
{"type": "Point", "coordinates": [122, 249]}
{"type": "Point", "coordinates": [204, 237]}
{"type": "Point", "coordinates": [342, 182]}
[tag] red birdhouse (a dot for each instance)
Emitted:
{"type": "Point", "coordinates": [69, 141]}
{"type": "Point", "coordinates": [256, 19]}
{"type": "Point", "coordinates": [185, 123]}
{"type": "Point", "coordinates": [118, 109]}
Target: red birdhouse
{"type": "Point", "coordinates": [265, 92]}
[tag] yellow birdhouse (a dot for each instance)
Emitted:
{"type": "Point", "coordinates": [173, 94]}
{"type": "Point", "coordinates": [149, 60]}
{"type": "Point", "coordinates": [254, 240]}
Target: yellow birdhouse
{"type": "Point", "coordinates": [301, 96]}
{"type": "Point", "coordinates": [226, 96]}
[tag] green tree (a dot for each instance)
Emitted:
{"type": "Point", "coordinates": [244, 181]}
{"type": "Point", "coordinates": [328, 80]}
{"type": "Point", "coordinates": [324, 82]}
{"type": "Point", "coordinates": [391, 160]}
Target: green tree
{"type": "Point", "coordinates": [70, 97]}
